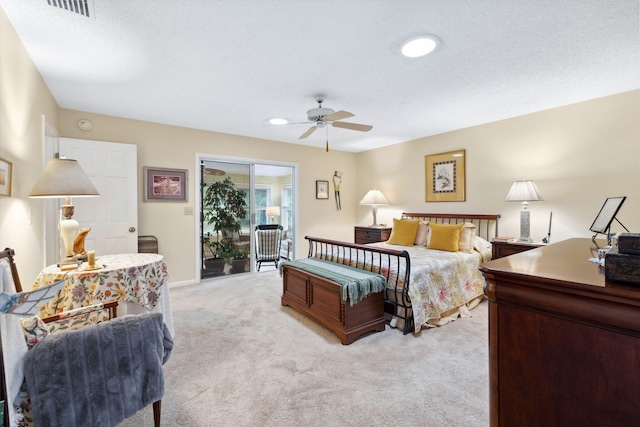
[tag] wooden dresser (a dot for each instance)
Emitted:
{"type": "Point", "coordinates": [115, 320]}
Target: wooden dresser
{"type": "Point", "coordinates": [564, 345]}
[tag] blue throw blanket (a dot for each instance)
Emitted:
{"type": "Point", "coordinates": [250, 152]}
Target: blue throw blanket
{"type": "Point", "coordinates": [356, 284]}
{"type": "Point", "coordinates": [98, 375]}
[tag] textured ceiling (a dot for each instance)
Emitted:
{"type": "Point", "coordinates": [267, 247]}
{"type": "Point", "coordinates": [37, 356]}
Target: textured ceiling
{"type": "Point", "coordinates": [229, 66]}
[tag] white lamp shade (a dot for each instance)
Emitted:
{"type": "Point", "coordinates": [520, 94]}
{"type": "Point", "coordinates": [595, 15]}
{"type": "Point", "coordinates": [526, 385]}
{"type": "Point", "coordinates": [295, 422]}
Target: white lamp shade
{"type": "Point", "coordinates": [273, 210]}
{"type": "Point", "coordinates": [374, 197]}
{"type": "Point", "coordinates": [63, 178]}
{"type": "Point", "coordinates": [523, 191]}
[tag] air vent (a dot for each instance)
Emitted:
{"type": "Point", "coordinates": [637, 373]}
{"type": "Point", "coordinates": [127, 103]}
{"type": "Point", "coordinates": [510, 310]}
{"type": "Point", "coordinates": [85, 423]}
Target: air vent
{"type": "Point", "coordinates": [81, 7]}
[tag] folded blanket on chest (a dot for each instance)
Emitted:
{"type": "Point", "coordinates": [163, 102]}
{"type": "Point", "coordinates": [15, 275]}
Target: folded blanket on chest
{"type": "Point", "coordinates": [100, 374]}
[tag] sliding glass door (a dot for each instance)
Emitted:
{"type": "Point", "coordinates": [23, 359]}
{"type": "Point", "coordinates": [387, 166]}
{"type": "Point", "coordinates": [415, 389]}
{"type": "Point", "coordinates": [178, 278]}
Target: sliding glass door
{"type": "Point", "coordinates": [234, 198]}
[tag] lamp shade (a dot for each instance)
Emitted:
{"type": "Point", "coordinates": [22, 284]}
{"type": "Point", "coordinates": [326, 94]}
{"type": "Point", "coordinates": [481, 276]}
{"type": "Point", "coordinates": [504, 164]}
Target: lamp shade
{"type": "Point", "coordinates": [374, 197]}
{"type": "Point", "coordinates": [523, 191]}
{"type": "Point", "coordinates": [273, 210]}
{"type": "Point", "coordinates": [63, 178]}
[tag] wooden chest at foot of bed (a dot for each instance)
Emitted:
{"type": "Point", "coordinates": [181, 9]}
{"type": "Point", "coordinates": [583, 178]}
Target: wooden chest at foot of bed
{"type": "Point", "coordinates": [320, 299]}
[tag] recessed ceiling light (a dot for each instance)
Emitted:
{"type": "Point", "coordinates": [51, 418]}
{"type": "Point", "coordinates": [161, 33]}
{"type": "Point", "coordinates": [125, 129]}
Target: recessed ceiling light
{"type": "Point", "coordinates": [419, 46]}
{"type": "Point", "coordinates": [278, 121]}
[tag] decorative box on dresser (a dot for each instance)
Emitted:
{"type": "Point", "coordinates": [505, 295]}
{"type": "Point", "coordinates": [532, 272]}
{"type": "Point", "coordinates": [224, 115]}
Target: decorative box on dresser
{"type": "Point", "coordinates": [364, 235]}
{"type": "Point", "coordinates": [564, 344]}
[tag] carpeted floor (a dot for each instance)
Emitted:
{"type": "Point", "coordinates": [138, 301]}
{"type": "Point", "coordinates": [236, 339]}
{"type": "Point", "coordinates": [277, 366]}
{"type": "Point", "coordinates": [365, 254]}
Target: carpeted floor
{"type": "Point", "coordinates": [241, 359]}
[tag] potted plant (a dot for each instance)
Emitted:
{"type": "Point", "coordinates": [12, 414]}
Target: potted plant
{"type": "Point", "coordinates": [236, 257]}
{"type": "Point", "coordinates": [223, 207]}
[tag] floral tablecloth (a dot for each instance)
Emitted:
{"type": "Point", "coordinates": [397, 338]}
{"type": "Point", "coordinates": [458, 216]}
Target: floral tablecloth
{"type": "Point", "coordinates": [136, 278]}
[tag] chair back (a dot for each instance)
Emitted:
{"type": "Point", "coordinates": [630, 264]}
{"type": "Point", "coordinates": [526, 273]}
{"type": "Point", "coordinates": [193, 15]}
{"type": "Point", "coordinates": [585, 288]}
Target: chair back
{"type": "Point", "coordinates": [268, 238]}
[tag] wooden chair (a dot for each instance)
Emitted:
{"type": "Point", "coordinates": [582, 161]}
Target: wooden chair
{"type": "Point", "coordinates": [268, 240]}
{"type": "Point", "coordinates": [64, 319]}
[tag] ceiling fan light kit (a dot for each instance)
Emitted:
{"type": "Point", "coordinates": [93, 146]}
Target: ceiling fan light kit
{"type": "Point", "coordinates": [320, 117]}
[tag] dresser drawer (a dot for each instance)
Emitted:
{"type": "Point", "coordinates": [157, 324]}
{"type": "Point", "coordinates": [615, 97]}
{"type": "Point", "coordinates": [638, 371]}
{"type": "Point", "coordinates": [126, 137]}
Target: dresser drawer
{"type": "Point", "coordinates": [365, 235]}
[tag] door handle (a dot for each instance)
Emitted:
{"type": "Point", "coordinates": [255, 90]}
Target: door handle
{"type": "Point", "coordinates": [132, 229]}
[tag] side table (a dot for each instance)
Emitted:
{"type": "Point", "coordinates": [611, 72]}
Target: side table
{"type": "Point", "coordinates": [502, 248]}
{"type": "Point", "coordinates": [364, 235]}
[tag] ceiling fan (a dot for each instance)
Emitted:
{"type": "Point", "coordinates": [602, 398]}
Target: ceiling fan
{"type": "Point", "coordinates": [324, 117]}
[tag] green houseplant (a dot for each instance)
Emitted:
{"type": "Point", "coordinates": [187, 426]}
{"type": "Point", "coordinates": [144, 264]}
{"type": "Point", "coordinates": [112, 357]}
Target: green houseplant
{"type": "Point", "coordinates": [223, 207]}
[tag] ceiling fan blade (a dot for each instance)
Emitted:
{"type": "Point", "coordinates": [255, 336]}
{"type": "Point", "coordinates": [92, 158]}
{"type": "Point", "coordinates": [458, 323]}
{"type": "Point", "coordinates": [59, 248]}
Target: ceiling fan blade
{"type": "Point", "coordinates": [338, 115]}
{"type": "Point", "coordinates": [352, 126]}
{"type": "Point", "coordinates": [307, 133]}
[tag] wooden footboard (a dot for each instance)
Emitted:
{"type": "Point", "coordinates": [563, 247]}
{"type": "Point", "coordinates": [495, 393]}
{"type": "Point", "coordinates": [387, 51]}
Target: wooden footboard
{"type": "Point", "coordinates": [394, 265]}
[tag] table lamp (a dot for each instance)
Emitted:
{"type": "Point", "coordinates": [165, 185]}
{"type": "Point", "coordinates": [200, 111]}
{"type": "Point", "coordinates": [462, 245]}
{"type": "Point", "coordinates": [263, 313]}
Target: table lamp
{"type": "Point", "coordinates": [374, 198]}
{"type": "Point", "coordinates": [273, 211]}
{"type": "Point", "coordinates": [524, 191]}
{"type": "Point", "coordinates": [65, 178]}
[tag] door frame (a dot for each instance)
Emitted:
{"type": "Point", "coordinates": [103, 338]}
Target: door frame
{"type": "Point", "coordinates": [200, 157]}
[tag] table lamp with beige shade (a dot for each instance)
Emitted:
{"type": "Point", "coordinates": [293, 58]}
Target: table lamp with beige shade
{"type": "Point", "coordinates": [374, 198]}
{"type": "Point", "coordinates": [524, 191]}
{"type": "Point", "coordinates": [273, 211]}
{"type": "Point", "coordinates": [65, 178]}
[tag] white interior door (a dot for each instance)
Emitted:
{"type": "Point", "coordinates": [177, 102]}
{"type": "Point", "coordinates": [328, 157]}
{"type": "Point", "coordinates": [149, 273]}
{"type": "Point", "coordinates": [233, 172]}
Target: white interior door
{"type": "Point", "coordinates": [112, 217]}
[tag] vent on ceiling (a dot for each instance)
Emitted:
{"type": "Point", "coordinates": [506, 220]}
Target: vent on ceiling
{"type": "Point", "coordinates": [81, 7]}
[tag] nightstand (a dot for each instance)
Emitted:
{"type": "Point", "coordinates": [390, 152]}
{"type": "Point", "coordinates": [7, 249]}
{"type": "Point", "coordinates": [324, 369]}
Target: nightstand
{"type": "Point", "coordinates": [365, 235]}
{"type": "Point", "coordinates": [503, 248]}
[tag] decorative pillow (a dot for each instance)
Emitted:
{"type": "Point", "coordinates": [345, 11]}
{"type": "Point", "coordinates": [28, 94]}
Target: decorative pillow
{"type": "Point", "coordinates": [467, 237]}
{"type": "Point", "coordinates": [34, 330]}
{"type": "Point", "coordinates": [422, 235]}
{"type": "Point", "coordinates": [445, 237]}
{"type": "Point", "coordinates": [79, 318]}
{"type": "Point", "coordinates": [403, 232]}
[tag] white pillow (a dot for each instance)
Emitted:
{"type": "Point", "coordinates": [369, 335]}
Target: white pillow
{"type": "Point", "coordinates": [467, 238]}
{"type": "Point", "coordinates": [423, 234]}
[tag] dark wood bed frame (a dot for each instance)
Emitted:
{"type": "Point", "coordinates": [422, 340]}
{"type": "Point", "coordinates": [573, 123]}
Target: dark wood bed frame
{"type": "Point", "coordinates": [397, 303]}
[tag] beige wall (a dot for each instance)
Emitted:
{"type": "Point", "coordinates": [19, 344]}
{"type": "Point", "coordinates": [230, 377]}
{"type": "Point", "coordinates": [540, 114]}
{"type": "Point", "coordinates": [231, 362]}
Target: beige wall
{"type": "Point", "coordinates": [24, 99]}
{"type": "Point", "coordinates": [176, 147]}
{"type": "Point", "coordinates": [578, 155]}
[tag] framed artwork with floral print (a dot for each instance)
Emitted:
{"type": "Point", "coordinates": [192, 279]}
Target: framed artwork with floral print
{"type": "Point", "coordinates": [445, 177]}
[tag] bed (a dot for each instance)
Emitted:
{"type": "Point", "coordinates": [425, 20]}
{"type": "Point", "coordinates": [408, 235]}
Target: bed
{"type": "Point", "coordinates": [425, 287]}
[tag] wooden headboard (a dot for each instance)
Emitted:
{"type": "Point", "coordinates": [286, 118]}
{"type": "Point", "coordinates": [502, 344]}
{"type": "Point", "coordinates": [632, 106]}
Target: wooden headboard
{"type": "Point", "coordinates": [486, 225]}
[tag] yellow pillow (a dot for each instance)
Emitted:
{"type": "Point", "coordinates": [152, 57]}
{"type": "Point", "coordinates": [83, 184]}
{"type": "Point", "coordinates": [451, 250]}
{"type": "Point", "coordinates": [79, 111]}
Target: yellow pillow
{"type": "Point", "coordinates": [403, 232]}
{"type": "Point", "coordinates": [445, 237]}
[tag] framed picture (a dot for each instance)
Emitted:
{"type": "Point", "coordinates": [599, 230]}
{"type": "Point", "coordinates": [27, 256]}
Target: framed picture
{"type": "Point", "coordinates": [322, 189]}
{"type": "Point", "coordinates": [5, 177]}
{"type": "Point", "coordinates": [165, 185]}
{"type": "Point", "coordinates": [445, 177]}
{"type": "Point", "coordinates": [607, 214]}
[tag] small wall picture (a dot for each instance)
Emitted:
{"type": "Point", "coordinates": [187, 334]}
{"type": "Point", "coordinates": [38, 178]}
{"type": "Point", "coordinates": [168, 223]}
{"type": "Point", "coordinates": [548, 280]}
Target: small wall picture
{"type": "Point", "coordinates": [322, 189]}
{"type": "Point", "coordinates": [445, 177]}
{"type": "Point", "coordinates": [165, 185]}
{"type": "Point", "coordinates": [5, 177]}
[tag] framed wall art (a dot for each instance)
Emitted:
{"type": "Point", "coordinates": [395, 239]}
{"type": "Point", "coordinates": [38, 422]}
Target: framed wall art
{"type": "Point", "coordinates": [165, 185]}
{"type": "Point", "coordinates": [6, 169]}
{"type": "Point", "coordinates": [322, 189]}
{"type": "Point", "coordinates": [445, 177]}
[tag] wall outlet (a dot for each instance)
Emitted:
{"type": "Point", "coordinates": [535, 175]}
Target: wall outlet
{"type": "Point", "coordinates": [188, 210]}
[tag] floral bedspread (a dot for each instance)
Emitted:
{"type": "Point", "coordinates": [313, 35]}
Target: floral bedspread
{"type": "Point", "coordinates": [442, 281]}
{"type": "Point", "coordinates": [137, 278]}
